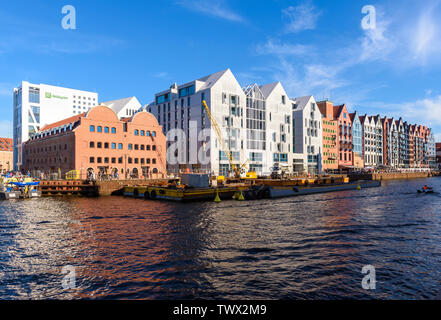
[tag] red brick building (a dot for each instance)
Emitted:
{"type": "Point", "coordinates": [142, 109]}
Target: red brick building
{"type": "Point", "coordinates": [97, 141]}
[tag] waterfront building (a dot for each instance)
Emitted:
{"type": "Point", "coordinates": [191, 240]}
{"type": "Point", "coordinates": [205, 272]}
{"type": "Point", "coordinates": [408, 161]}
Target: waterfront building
{"type": "Point", "coordinates": [180, 107]}
{"type": "Point", "coordinates": [6, 155]}
{"type": "Point", "coordinates": [255, 122]}
{"type": "Point", "coordinates": [413, 157]}
{"type": "Point", "coordinates": [369, 140]}
{"type": "Point", "coordinates": [403, 143]}
{"type": "Point", "coordinates": [35, 105]}
{"type": "Point", "coordinates": [308, 134]}
{"type": "Point", "coordinates": [357, 141]}
{"type": "Point", "coordinates": [330, 140]}
{"type": "Point", "coordinates": [431, 149]}
{"type": "Point", "coordinates": [341, 114]}
{"type": "Point", "coordinates": [124, 108]}
{"type": "Point", "coordinates": [97, 141]}
{"type": "Point", "coordinates": [378, 141]}
{"type": "Point", "coordinates": [438, 154]}
{"type": "Point", "coordinates": [386, 136]}
{"type": "Point", "coordinates": [279, 126]}
{"type": "Point", "coordinates": [393, 144]}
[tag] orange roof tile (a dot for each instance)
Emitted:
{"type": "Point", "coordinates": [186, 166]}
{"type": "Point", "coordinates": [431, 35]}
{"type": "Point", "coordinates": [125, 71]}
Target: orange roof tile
{"type": "Point", "coordinates": [6, 144]}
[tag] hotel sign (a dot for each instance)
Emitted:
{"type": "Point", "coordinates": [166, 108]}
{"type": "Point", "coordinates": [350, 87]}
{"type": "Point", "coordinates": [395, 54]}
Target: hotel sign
{"type": "Point", "coordinates": [50, 96]}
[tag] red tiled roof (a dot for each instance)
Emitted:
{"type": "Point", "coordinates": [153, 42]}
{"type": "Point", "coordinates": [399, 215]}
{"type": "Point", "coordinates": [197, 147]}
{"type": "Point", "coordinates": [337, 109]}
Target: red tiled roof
{"type": "Point", "coordinates": [5, 144]}
{"type": "Point", "coordinates": [63, 122]}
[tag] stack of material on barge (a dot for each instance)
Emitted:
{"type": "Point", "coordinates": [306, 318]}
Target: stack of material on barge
{"type": "Point", "coordinates": [198, 188]}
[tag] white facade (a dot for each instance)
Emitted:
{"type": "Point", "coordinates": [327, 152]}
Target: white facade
{"type": "Point", "coordinates": [256, 124]}
{"type": "Point", "coordinates": [124, 108]}
{"type": "Point", "coordinates": [180, 107]}
{"type": "Point", "coordinates": [308, 135]}
{"type": "Point", "coordinates": [279, 127]}
{"type": "Point", "coordinates": [36, 105]}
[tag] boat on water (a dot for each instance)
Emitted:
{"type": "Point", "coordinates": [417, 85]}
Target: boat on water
{"type": "Point", "coordinates": [426, 190]}
{"type": "Point", "coordinates": [11, 188]}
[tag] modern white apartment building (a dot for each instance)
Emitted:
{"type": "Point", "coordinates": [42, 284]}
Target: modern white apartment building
{"type": "Point", "coordinates": [308, 135]}
{"type": "Point", "coordinates": [279, 127]}
{"type": "Point", "coordinates": [255, 121]}
{"type": "Point", "coordinates": [378, 141]}
{"type": "Point", "coordinates": [199, 150]}
{"type": "Point", "coordinates": [38, 104]}
{"type": "Point", "coordinates": [124, 108]}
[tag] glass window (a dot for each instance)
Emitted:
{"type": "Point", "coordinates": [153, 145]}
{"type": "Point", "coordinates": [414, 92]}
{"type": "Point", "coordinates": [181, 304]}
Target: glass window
{"type": "Point", "coordinates": [92, 160]}
{"type": "Point", "coordinates": [120, 146]}
{"type": "Point", "coordinates": [130, 146]}
{"type": "Point", "coordinates": [92, 144]}
{"type": "Point", "coordinates": [113, 130]}
{"type": "Point", "coordinates": [136, 133]}
{"type": "Point", "coordinates": [99, 129]}
{"type": "Point", "coordinates": [34, 95]}
{"type": "Point", "coordinates": [147, 133]}
{"type": "Point", "coordinates": [106, 129]}
{"type": "Point", "coordinates": [142, 133]}
{"type": "Point", "coordinates": [113, 146]}
{"type": "Point", "coordinates": [154, 134]}
{"type": "Point", "coordinates": [92, 128]}
{"type": "Point", "coordinates": [106, 145]}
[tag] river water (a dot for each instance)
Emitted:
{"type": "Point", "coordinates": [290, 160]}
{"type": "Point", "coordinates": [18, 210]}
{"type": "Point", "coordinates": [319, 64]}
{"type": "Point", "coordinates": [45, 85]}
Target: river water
{"type": "Point", "coordinates": [311, 247]}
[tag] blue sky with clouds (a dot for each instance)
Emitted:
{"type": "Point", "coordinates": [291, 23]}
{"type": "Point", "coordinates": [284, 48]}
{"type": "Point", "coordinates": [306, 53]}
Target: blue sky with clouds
{"type": "Point", "coordinates": [126, 48]}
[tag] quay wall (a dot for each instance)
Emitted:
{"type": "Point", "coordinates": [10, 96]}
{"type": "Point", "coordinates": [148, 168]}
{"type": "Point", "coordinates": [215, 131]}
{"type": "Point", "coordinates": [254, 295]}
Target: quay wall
{"type": "Point", "coordinates": [398, 175]}
{"type": "Point", "coordinates": [390, 176]}
{"type": "Point", "coordinates": [115, 187]}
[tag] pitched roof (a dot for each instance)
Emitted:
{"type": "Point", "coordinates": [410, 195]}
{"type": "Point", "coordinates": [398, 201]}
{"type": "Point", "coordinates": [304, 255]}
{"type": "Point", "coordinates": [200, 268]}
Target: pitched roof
{"type": "Point", "coordinates": [302, 102]}
{"type": "Point", "coordinates": [211, 79]}
{"type": "Point", "coordinates": [6, 144]}
{"type": "Point", "coordinates": [118, 105]}
{"type": "Point", "coordinates": [352, 116]}
{"type": "Point", "coordinates": [63, 122]}
{"type": "Point", "coordinates": [338, 110]}
{"type": "Point", "coordinates": [268, 88]}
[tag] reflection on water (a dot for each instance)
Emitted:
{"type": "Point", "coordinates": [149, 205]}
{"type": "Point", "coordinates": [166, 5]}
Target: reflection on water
{"type": "Point", "coordinates": [294, 248]}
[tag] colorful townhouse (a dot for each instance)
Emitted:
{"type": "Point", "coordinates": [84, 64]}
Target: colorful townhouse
{"type": "Point", "coordinates": [330, 139]}
{"type": "Point", "coordinates": [357, 141]}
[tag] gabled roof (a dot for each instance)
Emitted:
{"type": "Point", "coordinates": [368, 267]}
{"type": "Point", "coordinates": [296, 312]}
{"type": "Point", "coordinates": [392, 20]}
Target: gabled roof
{"type": "Point", "coordinates": [66, 121]}
{"type": "Point", "coordinates": [211, 79]}
{"type": "Point", "coordinates": [6, 144]}
{"type": "Point", "coordinates": [338, 110]}
{"type": "Point", "coordinates": [302, 102]}
{"type": "Point", "coordinates": [362, 119]}
{"type": "Point", "coordinates": [267, 89]}
{"type": "Point", "coordinates": [118, 105]}
{"type": "Point", "coordinates": [353, 115]}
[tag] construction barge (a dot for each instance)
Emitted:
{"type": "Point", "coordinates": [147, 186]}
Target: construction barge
{"type": "Point", "coordinates": [247, 190]}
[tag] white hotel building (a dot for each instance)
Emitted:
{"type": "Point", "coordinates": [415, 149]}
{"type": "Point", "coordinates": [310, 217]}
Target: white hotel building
{"type": "Point", "coordinates": [35, 105]}
{"type": "Point", "coordinates": [256, 124]}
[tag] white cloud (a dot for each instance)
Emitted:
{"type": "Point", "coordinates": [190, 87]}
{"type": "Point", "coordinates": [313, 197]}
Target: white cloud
{"type": "Point", "coordinates": [301, 17]}
{"type": "Point", "coordinates": [5, 129]}
{"type": "Point", "coordinates": [215, 8]}
{"type": "Point", "coordinates": [283, 49]}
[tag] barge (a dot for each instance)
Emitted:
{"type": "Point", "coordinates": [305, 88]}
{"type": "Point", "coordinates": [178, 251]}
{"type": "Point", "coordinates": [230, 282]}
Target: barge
{"type": "Point", "coordinates": [268, 190]}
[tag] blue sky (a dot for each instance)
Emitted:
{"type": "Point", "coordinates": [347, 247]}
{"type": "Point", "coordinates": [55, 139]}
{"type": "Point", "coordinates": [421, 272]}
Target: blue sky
{"type": "Point", "coordinates": [318, 47]}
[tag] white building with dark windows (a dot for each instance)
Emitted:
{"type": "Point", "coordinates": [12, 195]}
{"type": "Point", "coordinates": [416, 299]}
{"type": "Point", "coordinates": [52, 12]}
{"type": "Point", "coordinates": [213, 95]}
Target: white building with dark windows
{"type": "Point", "coordinates": [308, 135]}
{"type": "Point", "coordinates": [35, 105]}
{"type": "Point", "coordinates": [255, 121]}
{"type": "Point", "coordinates": [180, 107]}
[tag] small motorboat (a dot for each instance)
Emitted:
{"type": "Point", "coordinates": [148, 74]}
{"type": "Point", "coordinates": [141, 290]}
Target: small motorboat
{"type": "Point", "coordinates": [426, 190]}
